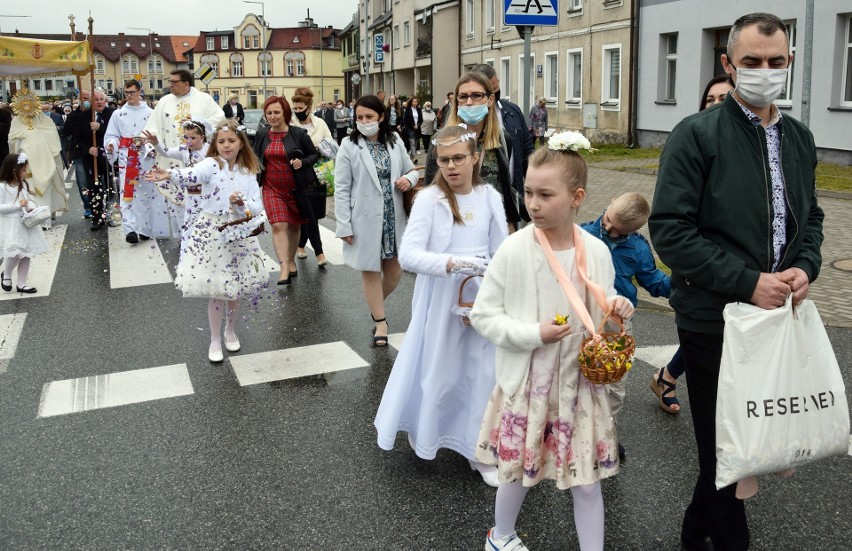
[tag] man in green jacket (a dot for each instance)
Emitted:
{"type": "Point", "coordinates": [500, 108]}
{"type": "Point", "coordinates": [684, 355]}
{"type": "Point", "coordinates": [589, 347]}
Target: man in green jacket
{"type": "Point", "coordinates": [735, 216]}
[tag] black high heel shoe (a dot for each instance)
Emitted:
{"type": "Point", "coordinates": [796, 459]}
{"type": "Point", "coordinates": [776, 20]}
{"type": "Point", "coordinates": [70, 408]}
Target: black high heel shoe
{"type": "Point", "coordinates": [380, 341]}
{"type": "Point", "coordinates": [3, 281]}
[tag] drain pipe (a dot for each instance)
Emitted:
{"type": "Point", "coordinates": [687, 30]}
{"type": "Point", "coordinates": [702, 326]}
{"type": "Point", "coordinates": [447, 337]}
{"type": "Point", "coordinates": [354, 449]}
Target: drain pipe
{"type": "Point", "coordinates": [633, 115]}
{"type": "Point", "coordinates": [807, 65]}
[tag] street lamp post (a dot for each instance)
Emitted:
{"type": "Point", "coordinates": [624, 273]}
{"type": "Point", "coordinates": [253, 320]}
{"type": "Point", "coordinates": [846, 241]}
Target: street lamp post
{"type": "Point", "coordinates": [3, 79]}
{"type": "Point", "coordinates": [263, 38]}
{"type": "Point", "coordinates": [150, 55]}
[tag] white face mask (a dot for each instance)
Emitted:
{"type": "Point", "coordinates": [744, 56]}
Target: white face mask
{"type": "Point", "coordinates": [760, 87]}
{"type": "Point", "coordinates": [368, 129]}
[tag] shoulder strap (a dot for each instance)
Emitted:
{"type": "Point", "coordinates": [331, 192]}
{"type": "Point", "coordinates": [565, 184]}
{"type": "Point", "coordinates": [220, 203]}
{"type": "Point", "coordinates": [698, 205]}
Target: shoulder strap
{"type": "Point", "coordinates": [565, 282]}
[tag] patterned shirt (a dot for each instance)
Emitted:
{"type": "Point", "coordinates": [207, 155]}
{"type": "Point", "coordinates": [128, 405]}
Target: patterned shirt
{"type": "Point", "coordinates": [779, 200]}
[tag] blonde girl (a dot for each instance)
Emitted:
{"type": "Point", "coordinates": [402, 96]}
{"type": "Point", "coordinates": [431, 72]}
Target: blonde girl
{"type": "Point", "coordinates": [209, 265]}
{"type": "Point", "coordinates": [444, 372]}
{"type": "Point", "coordinates": [544, 419]}
{"type": "Point", "coordinates": [18, 243]}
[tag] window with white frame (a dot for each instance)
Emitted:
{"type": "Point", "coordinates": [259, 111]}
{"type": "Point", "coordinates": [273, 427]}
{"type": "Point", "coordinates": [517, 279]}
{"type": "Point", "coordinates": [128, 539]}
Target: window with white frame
{"type": "Point", "coordinates": [223, 42]}
{"type": "Point", "coordinates": [574, 80]}
{"type": "Point", "coordinates": [575, 5]}
{"type": "Point", "coordinates": [211, 43]}
{"type": "Point", "coordinates": [611, 85]}
{"type": "Point", "coordinates": [155, 65]}
{"type": "Point", "coordinates": [250, 33]}
{"type": "Point", "coordinates": [505, 73]}
{"type": "Point", "coordinates": [36, 84]}
{"type": "Point", "coordinates": [668, 46]}
{"type": "Point", "coordinates": [846, 74]}
{"type": "Point", "coordinates": [236, 65]}
{"type": "Point", "coordinates": [264, 62]}
{"type": "Point", "coordinates": [406, 33]}
{"type": "Point", "coordinates": [551, 76]}
{"type": "Point", "coordinates": [469, 18]}
{"type": "Point", "coordinates": [490, 16]}
{"type": "Point", "coordinates": [212, 60]}
{"type": "Point", "coordinates": [99, 65]}
{"type": "Point", "coordinates": [300, 67]}
{"type": "Point", "coordinates": [786, 97]}
{"type": "Point", "coordinates": [129, 64]}
{"type": "Point", "coordinates": [336, 94]}
{"type": "Point", "coordinates": [521, 79]}
{"type": "Point", "coordinates": [290, 67]}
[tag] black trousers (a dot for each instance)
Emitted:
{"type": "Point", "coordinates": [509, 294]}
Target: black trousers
{"type": "Point", "coordinates": [714, 513]}
{"type": "Point", "coordinates": [311, 231]}
{"type": "Point", "coordinates": [341, 133]}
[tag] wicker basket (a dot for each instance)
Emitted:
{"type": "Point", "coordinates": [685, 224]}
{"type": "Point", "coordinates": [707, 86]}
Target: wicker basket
{"type": "Point", "coordinates": [462, 304]}
{"type": "Point", "coordinates": [409, 195]}
{"type": "Point", "coordinates": [608, 359]}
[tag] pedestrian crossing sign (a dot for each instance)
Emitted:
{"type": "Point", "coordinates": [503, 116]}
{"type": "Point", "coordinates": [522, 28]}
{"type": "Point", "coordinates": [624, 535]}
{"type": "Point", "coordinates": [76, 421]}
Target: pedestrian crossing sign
{"type": "Point", "coordinates": [543, 13]}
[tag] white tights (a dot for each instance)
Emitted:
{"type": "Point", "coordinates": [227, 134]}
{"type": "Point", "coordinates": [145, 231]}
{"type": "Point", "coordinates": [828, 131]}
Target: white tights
{"type": "Point", "coordinates": [215, 311]}
{"type": "Point", "coordinates": [22, 263]}
{"type": "Point", "coordinates": [588, 512]}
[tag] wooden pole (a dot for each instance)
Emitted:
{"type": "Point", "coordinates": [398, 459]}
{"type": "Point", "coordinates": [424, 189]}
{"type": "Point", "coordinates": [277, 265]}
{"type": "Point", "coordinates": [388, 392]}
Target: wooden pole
{"type": "Point", "coordinates": [92, 95]}
{"type": "Point", "coordinates": [74, 39]}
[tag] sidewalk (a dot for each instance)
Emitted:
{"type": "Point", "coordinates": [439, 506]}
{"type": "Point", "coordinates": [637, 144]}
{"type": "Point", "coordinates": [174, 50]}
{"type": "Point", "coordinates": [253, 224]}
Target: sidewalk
{"type": "Point", "coordinates": [832, 291]}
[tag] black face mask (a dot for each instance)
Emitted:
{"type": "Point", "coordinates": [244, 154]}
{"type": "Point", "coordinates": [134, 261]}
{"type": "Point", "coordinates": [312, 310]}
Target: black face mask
{"type": "Point", "coordinates": [497, 95]}
{"type": "Point", "coordinates": [301, 115]}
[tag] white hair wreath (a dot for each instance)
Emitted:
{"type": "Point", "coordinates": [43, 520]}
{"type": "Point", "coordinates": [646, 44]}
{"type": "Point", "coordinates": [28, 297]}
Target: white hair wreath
{"type": "Point", "coordinates": [22, 158]}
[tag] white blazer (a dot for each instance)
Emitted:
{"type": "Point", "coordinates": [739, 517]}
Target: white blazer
{"type": "Point", "coordinates": [359, 203]}
{"type": "Point", "coordinates": [430, 229]}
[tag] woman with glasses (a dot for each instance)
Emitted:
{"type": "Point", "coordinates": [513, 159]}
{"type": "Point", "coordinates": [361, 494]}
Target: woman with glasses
{"type": "Point", "coordinates": [371, 173]}
{"type": "Point", "coordinates": [303, 100]}
{"type": "Point", "coordinates": [475, 108]}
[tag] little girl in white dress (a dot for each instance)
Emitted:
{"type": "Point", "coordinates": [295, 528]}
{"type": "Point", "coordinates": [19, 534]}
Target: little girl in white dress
{"type": "Point", "coordinates": [18, 243]}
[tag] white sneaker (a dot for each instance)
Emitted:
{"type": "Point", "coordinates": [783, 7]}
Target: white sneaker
{"type": "Point", "coordinates": [506, 543]}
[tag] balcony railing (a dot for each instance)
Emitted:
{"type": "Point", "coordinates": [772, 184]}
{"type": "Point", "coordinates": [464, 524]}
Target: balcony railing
{"type": "Point", "coordinates": [424, 46]}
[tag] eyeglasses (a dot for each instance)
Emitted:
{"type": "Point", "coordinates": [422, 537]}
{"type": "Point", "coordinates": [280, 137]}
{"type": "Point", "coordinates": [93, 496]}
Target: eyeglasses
{"type": "Point", "coordinates": [131, 92]}
{"type": "Point", "coordinates": [175, 81]}
{"type": "Point", "coordinates": [457, 160]}
{"type": "Point", "coordinates": [475, 96]}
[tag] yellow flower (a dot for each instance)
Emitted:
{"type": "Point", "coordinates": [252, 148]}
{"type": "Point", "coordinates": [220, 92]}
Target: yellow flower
{"type": "Point", "coordinates": [559, 319]}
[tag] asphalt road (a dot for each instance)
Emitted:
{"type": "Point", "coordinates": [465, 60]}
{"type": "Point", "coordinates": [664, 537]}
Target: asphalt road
{"type": "Point", "coordinates": [292, 463]}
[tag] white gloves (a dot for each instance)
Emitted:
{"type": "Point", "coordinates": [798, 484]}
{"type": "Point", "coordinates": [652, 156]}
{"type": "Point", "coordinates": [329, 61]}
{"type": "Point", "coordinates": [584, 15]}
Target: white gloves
{"type": "Point", "coordinates": [469, 265]}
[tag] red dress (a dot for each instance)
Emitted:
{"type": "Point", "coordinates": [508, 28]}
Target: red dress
{"type": "Point", "coordinates": [279, 183]}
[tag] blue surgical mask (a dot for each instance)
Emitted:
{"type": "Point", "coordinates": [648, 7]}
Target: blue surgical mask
{"type": "Point", "coordinates": [87, 105]}
{"type": "Point", "coordinates": [473, 114]}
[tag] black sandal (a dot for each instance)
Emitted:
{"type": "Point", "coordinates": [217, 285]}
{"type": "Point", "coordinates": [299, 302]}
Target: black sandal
{"type": "Point", "coordinates": [380, 341]}
{"type": "Point", "coordinates": [662, 388]}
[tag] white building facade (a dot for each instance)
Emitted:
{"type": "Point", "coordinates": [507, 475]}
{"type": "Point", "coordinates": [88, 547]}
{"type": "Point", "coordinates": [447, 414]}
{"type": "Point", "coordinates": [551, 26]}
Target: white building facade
{"type": "Point", "coordinates": [680, 42]}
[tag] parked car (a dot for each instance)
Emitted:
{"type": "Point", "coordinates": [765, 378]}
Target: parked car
{"type": "Point", "coordinates": [253, 121]}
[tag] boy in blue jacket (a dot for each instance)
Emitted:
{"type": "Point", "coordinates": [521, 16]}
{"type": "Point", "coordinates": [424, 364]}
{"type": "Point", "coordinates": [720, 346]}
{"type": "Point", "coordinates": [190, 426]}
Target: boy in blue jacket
{"type": "Point", "coordinates": [618, 227]}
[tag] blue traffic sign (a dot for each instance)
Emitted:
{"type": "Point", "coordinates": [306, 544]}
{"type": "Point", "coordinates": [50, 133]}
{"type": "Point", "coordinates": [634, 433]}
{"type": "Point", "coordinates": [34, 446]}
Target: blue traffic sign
{"type": "Point", "coordinates": [544, 13]}
{"type": "Point", "coordinates": [378, 48]}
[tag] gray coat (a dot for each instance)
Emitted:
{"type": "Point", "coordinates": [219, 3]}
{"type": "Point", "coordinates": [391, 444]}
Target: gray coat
{"type": "Point", "coordinates": [359, 203]}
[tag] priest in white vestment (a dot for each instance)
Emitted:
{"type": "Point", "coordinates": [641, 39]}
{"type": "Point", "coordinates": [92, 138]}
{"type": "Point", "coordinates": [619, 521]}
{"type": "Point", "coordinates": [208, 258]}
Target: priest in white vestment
{"type": "Point", "coordinates": [145, 212]}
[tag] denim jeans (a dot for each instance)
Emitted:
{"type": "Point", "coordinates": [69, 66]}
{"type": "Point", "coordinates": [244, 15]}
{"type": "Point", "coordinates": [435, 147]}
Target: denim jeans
{"type": "Point", "coordinates": [81, 174]}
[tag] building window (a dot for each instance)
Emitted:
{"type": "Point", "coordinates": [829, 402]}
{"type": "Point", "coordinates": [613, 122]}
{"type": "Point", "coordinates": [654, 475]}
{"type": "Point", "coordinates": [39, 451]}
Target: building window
{"type": "Point", "coordinates": [786, 97]}
{"type": "Point", "coordinates": [48, 85]}
{"type": "Point", "coordinates": [237, 65]}
{"type": "Point", "coordinates": [294, 62]}
{"type": "Point", "coordinates": [406, 33]}
{"type": "Point", "coordinates": [265, 64]}
{"type": "Point", "coordinates": [505, 73]}
{"type": "Point", "coordinates": [300, 67]}
{"type": "Point", "coordinates": [155, 65]}
{"type": "Point", "coordinates": [255, 42]}
{"type": "Point", "coordinates": [36, 85]}
{"type": "Point", "coordinates": [396, 37]}
{"type": "Point", "coordinates": [469, 18]}
{"type": "Point", "coordinates": [574, 82]}
{"type": "Point", "coordinates": [210, 43]}
{"type": "Point", "coordinates": [129, 65]}
{"type": "Point", "coordinates": [336, 94]}
{"type": "Point", "coordinates": [846, 75]}
{"type": "Point", "coordinates": [212, 60]}
{"type": "Point", "coordinates": [575, 5]}
{"type": "Point", "coordinates": [668, 64]}
{"type": "Point", "coordinates": [489, 16]}
{"type": "Point", "coordinates": [551, 76]}
{"type": "Point", "coordinates": [611, 85]}
{"type": "Point", "coordinates": [289, 63]}
{"type": "Point", "coordinates": [223, 42]}
{"type": "Point", "coordinates": [99, 65]}
{"type": "Point", "coordinates": [250, 36]}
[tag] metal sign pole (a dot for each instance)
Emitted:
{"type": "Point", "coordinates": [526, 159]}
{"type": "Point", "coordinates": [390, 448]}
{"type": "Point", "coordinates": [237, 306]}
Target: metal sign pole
{"type": "Point", "coordinates": [527, 32]}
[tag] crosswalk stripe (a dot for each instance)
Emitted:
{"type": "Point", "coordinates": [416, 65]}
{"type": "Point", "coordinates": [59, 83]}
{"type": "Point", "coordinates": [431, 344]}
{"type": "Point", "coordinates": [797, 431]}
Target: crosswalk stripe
{"type": "Point", "coordinates": [135, 265]}
{"type": "Point", "coordinates": [114, 389]}
{"type": "Point", "coordinates": [11, 327]}
{"type": "Point", "coordinates": [395, 340]}
{"type": "Point", "coordinates": [290, 363]}
{"type": "Point", "coordinates": [657, 356]}
{"type": "Point", "coordinates": [42, 267]}
{"type": "Point", "coordinates": [332, 247]}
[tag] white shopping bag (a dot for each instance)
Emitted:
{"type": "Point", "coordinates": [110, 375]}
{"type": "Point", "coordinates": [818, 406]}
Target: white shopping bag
{"type": "Point", "coordinates": [781, 402]}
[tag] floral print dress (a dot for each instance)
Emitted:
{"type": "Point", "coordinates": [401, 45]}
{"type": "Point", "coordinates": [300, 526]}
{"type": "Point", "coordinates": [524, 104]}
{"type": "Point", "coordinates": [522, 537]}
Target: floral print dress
{"type": "Point", "coordinates": [381, 157]}
{"type": "Point", "coordinates": [559, 426]}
